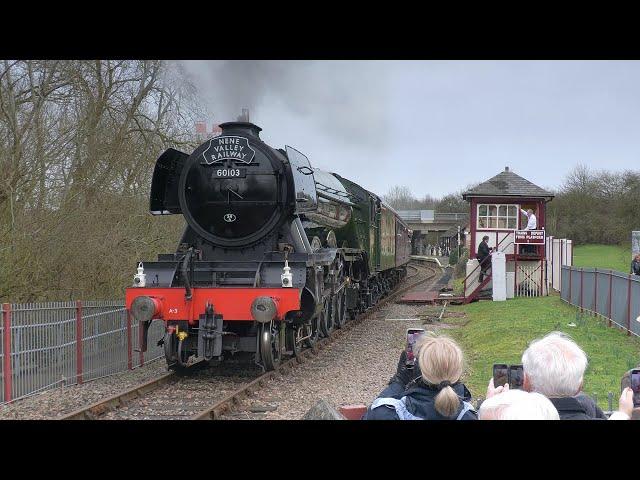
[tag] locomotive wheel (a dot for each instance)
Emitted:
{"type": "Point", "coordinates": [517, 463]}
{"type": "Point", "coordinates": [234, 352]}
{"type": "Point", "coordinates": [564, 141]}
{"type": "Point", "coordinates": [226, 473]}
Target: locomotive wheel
{"type": "Point", "coordinates": [312, 331]}
{"type": "Point", "coordinates": [374, 294]}
{"type": "Point", "coordinates": [293, 339]}
{"type": "Point", "coordinates": [170, 348]}
{"type": "Point", "coordinates": [339, 309]}
{"type": "Point", "coordinates": [326, 322]}
{"type": "Point", "coordinates": [270, 345]}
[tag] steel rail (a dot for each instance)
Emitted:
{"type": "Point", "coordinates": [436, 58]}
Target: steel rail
{"type": "Point", "coordinates": [100, 407]}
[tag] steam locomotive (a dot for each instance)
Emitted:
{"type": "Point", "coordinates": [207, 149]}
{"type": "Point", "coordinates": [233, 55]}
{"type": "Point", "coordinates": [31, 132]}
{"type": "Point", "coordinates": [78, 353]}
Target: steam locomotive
{"type": "Point", "coordinates": [275, 254]}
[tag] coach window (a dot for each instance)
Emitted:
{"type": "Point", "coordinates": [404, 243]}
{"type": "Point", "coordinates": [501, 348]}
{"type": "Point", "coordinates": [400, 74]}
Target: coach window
{"type": "Point", "coordinates": [498, 217]}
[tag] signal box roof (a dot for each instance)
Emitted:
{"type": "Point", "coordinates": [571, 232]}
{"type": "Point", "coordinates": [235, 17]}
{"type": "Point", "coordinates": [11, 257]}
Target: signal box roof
{"type": "Point", "coordinates": [508, 184]}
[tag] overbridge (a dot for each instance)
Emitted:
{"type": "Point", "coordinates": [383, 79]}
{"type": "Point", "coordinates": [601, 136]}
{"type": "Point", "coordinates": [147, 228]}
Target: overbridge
{"type": "Point", "coordinates": [431, 228]}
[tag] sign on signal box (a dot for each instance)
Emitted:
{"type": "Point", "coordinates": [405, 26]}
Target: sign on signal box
{"type": "Point", "coordinates": [529, 237]}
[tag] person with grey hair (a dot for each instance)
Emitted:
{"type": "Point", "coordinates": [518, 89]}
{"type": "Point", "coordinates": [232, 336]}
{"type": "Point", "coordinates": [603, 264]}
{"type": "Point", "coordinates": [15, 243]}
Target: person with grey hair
{"type": "Point", "coordinates": [532, 222]}
{"type": "Point", "coordinates": [554, 366]}
{"type": "Point", "coordinates": [517, 405]}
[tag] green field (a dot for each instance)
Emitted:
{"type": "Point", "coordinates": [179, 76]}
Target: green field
{"type": "Point", "coordinates": [499, 332]}
{"type": "Point", "coordinates": [614, 257]}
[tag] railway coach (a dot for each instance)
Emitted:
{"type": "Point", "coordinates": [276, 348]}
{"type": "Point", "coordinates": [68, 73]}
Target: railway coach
{"type": "Point", "coordinates": [275, 253]}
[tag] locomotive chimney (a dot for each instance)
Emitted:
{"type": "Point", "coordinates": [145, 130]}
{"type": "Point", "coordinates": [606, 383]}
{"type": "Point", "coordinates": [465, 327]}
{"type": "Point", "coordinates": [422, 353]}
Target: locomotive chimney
{"type": "Point", "coordinates": [241, 127]}
{"type": "Point", "coordinates": [244, 116]}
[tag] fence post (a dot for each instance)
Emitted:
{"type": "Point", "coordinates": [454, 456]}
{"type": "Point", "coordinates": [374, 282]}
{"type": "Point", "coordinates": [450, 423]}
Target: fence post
{"type": "Point", "coordinates": [129, 343]}
{"type": "Point", "coordinates": [610, 293]}
{"type": "Point", "coordinates": [629, 306]}
{"type": "Point", "coordinates": [6, 337]}
{"type": "Point", "coordinates": [581, 282]}
{"type": "Point", "coordinates": [79, 341]}
{"type": "Point", "coordinates": [515, 273]}
{"type": "Point", "coordinates": [552, 258]}
{"type": "Point", "coordinates": [542, 265]}
{"type": "Point", "coordinates": [570, 281]}
{"type": "Point", "coordinates": [571, 253]}
{"type": "Point", "coordinates": [595, 295]}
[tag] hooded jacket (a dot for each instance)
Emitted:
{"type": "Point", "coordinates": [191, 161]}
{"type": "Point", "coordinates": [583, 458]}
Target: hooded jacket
{"type": "Point", "coordinates": [420, 402]}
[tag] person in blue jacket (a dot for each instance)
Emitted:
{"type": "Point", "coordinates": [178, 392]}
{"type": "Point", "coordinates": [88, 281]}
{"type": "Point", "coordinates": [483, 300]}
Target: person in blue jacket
{"type": "Point", "coordinates": [429, 391]}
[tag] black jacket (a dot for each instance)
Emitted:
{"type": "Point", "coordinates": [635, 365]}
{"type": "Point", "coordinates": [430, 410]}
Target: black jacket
{"type": "Point", "coordinates": [576, 408]}
{"type": "Point", "coordinates": [483, 251]}
{"type": "Point", "coordinates": [420, 402]}
{"type": "Point", "coordinates": [635, 268]}
{"type": "Point", "coordinates": [591, 407]}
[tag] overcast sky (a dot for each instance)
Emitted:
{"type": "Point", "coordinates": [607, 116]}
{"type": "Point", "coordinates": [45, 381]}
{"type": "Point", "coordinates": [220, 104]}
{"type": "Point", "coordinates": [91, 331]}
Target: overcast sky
{"type": "Point", "coordinates": [436, 126]}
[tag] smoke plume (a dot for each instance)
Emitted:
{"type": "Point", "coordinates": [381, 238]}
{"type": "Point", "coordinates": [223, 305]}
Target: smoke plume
{"type": "Point", "coordinates": [345, 100]}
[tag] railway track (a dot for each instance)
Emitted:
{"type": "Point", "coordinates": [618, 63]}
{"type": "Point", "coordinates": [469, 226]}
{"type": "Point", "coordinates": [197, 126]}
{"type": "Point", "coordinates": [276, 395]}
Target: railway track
{"type": "Point", "coordinates": [173, 396]}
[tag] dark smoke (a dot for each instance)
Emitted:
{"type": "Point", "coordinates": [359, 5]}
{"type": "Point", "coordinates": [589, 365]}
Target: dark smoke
{"type": "Point", "coordinates": [346, 100]}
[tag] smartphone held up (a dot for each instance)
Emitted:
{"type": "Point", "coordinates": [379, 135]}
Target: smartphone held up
{"type": "Point", "coordinates": [511, 374]}
{"type": "Point", "coordinates": [413, 335]}
{"type": "Point", "coordinates": [500, 374]}
{"type": "Point", "coordinates": [635, 386]}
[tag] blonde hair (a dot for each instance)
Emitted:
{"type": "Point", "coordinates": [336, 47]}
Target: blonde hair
{"type": "Point", "coordinates": [441, 360]}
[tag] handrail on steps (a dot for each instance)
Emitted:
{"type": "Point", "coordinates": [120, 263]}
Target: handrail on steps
{"type": "Point", "coordinates": [480, 263]}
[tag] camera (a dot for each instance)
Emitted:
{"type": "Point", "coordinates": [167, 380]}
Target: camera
{"type": "Point", "coordinates": [413, 334]}
{"type": "Point", "coordinates": [511, 374]}
{"type": "Point", "coordinates": [635, 386]}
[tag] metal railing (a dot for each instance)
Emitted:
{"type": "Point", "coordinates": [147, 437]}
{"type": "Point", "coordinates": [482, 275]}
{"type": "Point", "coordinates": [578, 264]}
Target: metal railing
{"type": "Point", "coordinates": [450, 217]}
{"type": "Point", "coordinates": [613, 295]}
{"type": "Point", "coordinates": [48, 345]}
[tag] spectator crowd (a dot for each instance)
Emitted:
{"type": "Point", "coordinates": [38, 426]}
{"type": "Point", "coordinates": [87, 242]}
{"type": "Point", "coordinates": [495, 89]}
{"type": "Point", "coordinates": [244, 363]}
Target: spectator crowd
{"type": "Point", "coordinates": [553, 366]}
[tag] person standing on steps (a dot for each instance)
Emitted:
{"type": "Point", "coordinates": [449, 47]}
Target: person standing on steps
{"type": "Point", "coordinates": [484, 256]}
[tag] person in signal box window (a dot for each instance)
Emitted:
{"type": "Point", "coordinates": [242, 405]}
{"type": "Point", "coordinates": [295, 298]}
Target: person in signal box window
{"type": "Point", "coordinates": [532, 224]}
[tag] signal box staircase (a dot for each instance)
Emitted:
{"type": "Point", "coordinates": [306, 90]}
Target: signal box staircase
{"type": "Point", "coordinates": [476, 294]}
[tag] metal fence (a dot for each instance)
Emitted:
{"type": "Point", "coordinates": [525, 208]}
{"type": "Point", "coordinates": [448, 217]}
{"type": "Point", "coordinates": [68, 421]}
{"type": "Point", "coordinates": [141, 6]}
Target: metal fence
{"type": "Point", "coordinates": [47, 345]}
{"type": "Point", "coordinates": [613, 295]}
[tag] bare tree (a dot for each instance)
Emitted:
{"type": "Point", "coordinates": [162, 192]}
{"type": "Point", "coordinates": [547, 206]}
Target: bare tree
{"type": "Point", "coordinates": [78, 141]}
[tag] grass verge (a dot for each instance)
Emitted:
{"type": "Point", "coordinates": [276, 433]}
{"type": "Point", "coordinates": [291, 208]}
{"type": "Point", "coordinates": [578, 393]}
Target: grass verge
{"type": "Point", "coordinates": [615, 257]}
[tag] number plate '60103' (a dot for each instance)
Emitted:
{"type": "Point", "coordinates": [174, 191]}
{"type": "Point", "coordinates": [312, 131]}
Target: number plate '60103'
{"type": "Point", "coordinates": [229, 173]}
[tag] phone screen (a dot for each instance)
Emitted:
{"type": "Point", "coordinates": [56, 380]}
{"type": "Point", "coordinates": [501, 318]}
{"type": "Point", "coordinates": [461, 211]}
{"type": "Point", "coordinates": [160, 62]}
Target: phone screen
{"type": "Point", "coordinates": [635, 386]}
{"type": "Point", "coordinates": [413, 334]}
{"type": "Point", "coordinates": [500, 374]}
{"type": "Point", "coordinates": [516, 376]}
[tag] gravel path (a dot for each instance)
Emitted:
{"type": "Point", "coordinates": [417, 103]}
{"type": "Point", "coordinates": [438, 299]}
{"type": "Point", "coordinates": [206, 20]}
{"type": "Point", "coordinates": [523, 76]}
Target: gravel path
{"type": "Point", "coordinates": [355, 369]}
{"type": "Point", "coordinates": [188, 395]}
